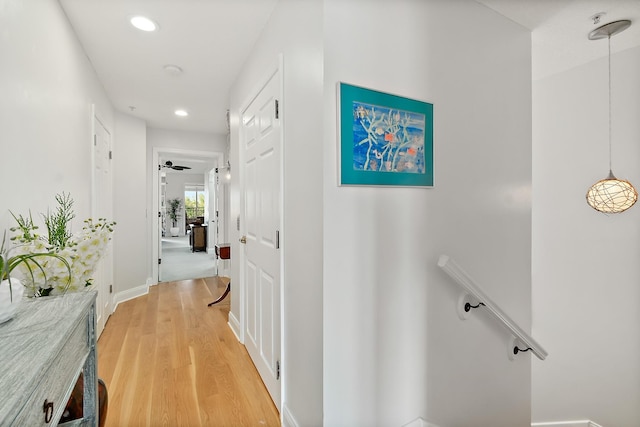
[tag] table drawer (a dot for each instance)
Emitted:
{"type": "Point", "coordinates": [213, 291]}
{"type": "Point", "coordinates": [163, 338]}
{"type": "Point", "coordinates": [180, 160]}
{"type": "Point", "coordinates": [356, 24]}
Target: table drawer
{"type": "Point", "coordinates": [58, 382]}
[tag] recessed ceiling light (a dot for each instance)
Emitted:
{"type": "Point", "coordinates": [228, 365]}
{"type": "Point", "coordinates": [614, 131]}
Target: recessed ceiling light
{"type": "Point", "coordinates": [173, 70]}
{"type": "Point", "coordinates": [143, 23]}
{"type": "Point", "coordinates": [181, 113]}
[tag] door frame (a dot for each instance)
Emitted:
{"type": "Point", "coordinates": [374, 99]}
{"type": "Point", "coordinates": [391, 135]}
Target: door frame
{"type": "Point", "coordinates": [107, 296]}
{"type": "Point", "coordinates": [276, 68]}
{"type": "Point", "coordinates": [218, 158]}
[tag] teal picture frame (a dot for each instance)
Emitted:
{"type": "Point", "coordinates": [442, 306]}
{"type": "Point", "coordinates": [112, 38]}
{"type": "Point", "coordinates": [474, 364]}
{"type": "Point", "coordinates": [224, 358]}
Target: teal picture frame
{"type": "Point", "coordinates": [385, 139]}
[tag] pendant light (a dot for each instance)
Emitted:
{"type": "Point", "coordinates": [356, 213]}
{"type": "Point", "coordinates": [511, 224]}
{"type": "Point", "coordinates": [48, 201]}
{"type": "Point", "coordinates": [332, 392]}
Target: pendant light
{"type": "Point", "coordinates": [611, 195]}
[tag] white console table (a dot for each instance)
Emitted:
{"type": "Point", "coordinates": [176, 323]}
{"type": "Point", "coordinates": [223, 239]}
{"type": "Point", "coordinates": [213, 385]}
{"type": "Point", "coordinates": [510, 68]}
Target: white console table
{"type": "Point", "coordinates": [43, 349]}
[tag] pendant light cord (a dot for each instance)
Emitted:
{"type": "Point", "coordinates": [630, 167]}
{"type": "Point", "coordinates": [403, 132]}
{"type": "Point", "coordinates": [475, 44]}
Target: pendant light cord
{"type": "Point", "coordinates": [609, 42]}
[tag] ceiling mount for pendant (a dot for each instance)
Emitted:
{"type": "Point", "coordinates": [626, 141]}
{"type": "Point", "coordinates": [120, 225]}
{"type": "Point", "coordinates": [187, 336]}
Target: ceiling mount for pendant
{"type": "Point", "coordinates": [610, 29]}
{"type": "Point", "coordinates": [597, 17]}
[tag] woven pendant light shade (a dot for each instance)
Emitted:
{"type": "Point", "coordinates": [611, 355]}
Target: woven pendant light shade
{"type": "Point", "coordinates": [612, 195]}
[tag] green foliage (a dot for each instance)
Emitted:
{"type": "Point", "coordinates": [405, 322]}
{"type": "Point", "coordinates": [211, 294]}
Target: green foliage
{"type": "Point", "coordinates": [194, 204]}
{"type": "Point", "coordinates": [58, 222]}
{"type": "Point", "coordinates": [26, 227]}
{"type": "Point", "coordinates": [174, 210]}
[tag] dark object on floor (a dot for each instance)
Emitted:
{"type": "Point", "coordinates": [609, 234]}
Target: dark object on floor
{"type": "Point", "coordinates": [224, 295]}
{"type": "Point", "coordinates": [73, 410]}
{"type": "Point", "coordinates": [223, 251]}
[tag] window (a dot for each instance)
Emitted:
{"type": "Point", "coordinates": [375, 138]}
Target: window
{"type": "Point", "coordinates": [194, 202]}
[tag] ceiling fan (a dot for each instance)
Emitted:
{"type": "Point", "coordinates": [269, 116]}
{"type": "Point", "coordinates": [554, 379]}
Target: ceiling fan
{"type": "Point", "coordinates": [169, 164]}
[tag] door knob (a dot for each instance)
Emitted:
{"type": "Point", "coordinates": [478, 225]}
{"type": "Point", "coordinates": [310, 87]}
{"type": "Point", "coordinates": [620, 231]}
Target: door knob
{"type": "Point", "coordinates": [243, 239]}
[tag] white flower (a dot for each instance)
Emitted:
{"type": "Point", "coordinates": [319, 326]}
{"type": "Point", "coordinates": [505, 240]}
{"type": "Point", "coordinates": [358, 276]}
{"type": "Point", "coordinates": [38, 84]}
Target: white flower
{"type": "Point", "coordinates": [71, 268]}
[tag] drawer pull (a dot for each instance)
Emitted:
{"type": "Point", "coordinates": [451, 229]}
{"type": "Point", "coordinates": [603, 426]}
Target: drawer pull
{"type": "Point", "coordinates": [48, 411]}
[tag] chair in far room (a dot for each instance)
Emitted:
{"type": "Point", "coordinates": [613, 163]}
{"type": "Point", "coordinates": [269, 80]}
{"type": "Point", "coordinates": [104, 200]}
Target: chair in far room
{"type": "Point", "coordinates": [198, 237]}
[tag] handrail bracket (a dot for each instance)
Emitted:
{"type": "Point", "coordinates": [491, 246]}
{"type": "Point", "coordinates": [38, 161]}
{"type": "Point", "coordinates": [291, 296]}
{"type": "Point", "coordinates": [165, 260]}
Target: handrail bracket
{"type": "Point", "coordinates": [475, 298]}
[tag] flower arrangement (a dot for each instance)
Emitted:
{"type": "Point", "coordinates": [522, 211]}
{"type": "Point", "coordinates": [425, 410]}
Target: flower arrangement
{"type": "Point", "coordinates": [11, 289]}
{"type": "Point", "coordinates": [71, 258]}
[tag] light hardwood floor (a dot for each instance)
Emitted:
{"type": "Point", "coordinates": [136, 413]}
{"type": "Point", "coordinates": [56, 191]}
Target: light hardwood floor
{"type": "Point", "coordinates": [169, 360]}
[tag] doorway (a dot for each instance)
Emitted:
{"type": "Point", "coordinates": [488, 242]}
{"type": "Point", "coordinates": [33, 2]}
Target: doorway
{"type": "Point", "coordinates": [171, 183]}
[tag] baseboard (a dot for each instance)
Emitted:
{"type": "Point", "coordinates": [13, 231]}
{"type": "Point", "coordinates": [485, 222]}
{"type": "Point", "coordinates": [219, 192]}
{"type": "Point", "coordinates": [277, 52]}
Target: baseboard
{"type": "Point", "coordinates": [234, 324]}
{"type": "Point", "coordinates": [130, 294]}
{"type": "Point", "coordinates": [419, 422]}
{"type": "Point", "coordinates": [288, 420]}
{"type": "Point", "coordinates": [578, 423]}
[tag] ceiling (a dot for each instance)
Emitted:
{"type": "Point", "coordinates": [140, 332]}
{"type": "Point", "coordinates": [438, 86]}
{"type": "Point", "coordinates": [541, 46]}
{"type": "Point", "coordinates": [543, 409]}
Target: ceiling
{"type": "Point", "coordinates": [211, 39]}
{"type": "Point", "coordinates": [208, 39]}
{"type": "Point", "coordinates": [560, 28]}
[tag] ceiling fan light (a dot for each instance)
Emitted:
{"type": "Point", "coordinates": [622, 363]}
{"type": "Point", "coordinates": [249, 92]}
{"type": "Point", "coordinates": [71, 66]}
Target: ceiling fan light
{"type": "Point", "coordinates": [612, 195]}
{"type": "Point", "coordinates": [169, 164]}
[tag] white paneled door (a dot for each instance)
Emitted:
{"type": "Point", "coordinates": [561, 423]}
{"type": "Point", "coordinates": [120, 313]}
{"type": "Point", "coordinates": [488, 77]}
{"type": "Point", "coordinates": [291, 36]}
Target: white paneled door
{"type": "Point", "coordinates": [102, 202]}
{"type": "Point", "coordinates": [261, 145]}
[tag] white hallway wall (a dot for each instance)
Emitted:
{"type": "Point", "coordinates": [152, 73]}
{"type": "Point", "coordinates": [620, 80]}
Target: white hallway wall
{"type": "Point", "coordinates": [48, 87]}
{"type": "Point", "coordinates": [585, 264]}
{"type": "Point", "coordinates": [294, 30]}
{"type": "Point", "coordinates": [394, 348]}
{"type": "Point", "coordinates": [195, 141]}
{"type": "Point", "coordinates": [129, 176]}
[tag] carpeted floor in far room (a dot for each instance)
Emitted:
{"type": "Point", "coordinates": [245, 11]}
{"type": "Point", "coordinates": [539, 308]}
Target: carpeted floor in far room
{"type": "Point", "coordinates": [179, 263]}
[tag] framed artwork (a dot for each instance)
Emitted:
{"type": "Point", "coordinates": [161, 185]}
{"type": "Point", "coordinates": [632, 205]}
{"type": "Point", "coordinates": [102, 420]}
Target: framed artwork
{"type": "Point", "coordinates": [385, 140]}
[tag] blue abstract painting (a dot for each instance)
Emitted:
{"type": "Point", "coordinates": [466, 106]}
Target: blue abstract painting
{"type": "Point", "coordinates": [385, 139]}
